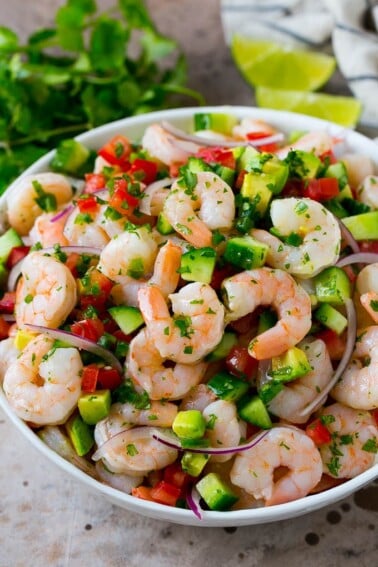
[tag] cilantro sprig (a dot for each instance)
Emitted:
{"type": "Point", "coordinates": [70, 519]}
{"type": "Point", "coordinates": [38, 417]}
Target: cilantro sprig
{"type": "Point", "coordinates": [90, 68]}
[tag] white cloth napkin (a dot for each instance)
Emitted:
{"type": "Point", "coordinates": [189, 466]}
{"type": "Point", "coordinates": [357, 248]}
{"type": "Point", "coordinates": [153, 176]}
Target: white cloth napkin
{"type": "Point", "coordinates": [348, 28]}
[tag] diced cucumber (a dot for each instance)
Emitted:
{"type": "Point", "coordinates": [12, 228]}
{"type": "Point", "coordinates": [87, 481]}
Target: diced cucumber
{"type": "Point", "coordinates": [244, 155]}
{"type": "Point", "coordinates": [332, 285]}
{"type": "Point", "coordinates": [267, 320]}
{"type": "Point", "coordinates": [269, 390]}
{"type": "Point", "coordinates": [197, 165]}
{"type": "Point", "coordinates": [223, 349]}
{"type": "Point", "coordinates": [8, 240]}
{"type": "Point", "coordinates": [95, 406]}
{"type": "Point", "coordinates": [226, 173]}
{"type": "Point", "coordinates": [336, 208]}
{"type": "Point", "coordinates": [227, 387]}
{"type": "Point", "coordinates": [364, 226]}
{"type": "Point", "coordinates": [197, 265]}
{"type": "Point", "coordinates": [303, 165]}
{"type": "Point", "coordinates": [338, 171]}
{"type": "Point", "coordinates": [255, 189]}
{"type": "Point", "coordinates": [194, 463]}
{"type": "Point", "coordinates": [163, 225]}
{"type": "Point", "coordinates": [70, 157]}
{"type": "Point", "coordinates": [269, 170]}
{"type": "Point", "coordinates": [219, 122]}
{"type": "Point", "coordinates": [331, 318]}
{"type": "Point", "coordinates": [253, 410]}
{"type": "Point", "coordinates": [216, 493]}
{"type": "Point", "coordinates": [246, 252]}
{"type": "Point", "coordinates": [189, 424]}
{"type": "Point", "coordinates": [81, 435]}
{"type": "Point", "coordinates": [290, 365]}
{"type": "Point", "coordinates": [128, 318]}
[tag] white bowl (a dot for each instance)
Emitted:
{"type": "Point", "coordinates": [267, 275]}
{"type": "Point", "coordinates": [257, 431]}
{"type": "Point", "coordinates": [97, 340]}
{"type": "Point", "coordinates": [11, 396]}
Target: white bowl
{"type": "Point", "coordinates": [133, 128]}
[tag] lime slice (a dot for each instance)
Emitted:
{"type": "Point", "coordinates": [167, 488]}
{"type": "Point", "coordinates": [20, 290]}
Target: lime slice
{"type": "Point", "coordinates": [343, 110]}
{"type": "Point", "coordinates": [273, 65]}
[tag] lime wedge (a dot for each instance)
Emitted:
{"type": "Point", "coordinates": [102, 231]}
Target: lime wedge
{"type": "Point", "coordinates": [273, 65]}
{"type": "Point", "coordinates": [343, 110]}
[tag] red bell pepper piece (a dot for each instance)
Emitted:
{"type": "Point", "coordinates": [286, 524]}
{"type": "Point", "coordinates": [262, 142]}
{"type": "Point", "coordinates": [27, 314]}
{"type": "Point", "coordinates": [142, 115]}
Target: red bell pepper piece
{"type": "Point", "coordinates": [328, 157]}
{"type": "Point", "coordinates": [321, 189]}
{"type": "Point", "coordinates": [219, 155]}
{"type": "Point", "coordinates": [240, 363]}
{"type": "Point", "coordinates": [16, 254]}
{"type": "Point", "coordinates": [147, 168]}
{"type": "Point", "coordinates": [94, 182]}
{"type": "Point", "coordinates": [272, 147]}
{"type": "Point", "coordinates": [142, 492]}
{"type": "Point", "coordinates": [91, 329]}
{"type": "Point", "coordinates": [4, 328]}
{"type": "Point", "coordinates": [89, 378]}
{"type": "Point", "coordinates": [318, 432]}
{"type": "Point", "coordinates": [88, 204]}
{"type": "Point", "coordinates": [165, 493]}
{"type": "Point", "coordinates": [116, 151]}
{"type": "Point", "coordinates": [8, 302]}
{"type": "Point", "coordinates": [108, 378]}
{"type": "Point", "coordinates": [121, 200]}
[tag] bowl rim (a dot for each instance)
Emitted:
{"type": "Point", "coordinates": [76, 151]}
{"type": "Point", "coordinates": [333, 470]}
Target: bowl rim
{"type": "Point", "coordinates": [250, 516]}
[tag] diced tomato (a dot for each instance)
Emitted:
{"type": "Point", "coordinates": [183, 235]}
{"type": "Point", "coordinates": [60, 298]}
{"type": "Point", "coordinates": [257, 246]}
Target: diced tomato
{"type": "Point", "coordinates": [116, 151]}
{"type": "Point", "coordinates": [4, 328]}
{"type": "Point", "coordinates": [71, 263]}
{"type": "Point", "coordinates": [97, 283]}
{"type": "Point", "coordinates": [121, 200]}
{"type": "Point", "coordinates": [240, 178]}
{"type": "Point", "coordinates": [94, 182]}
{"type": "Point", "coordinates": [220, 274]}
{"type": "Point", "coordinates": [7, 302]}
{"type": "Point", "coordinates": [328, 157]}
{"type": "Point", "coordinates": [142, 492]}
{"type": "Point", "coordinates": [240, 363]}
{"type": "Point", "coordinates": [318, 432]}
{"type": "Point", "coordinates": [96, 301]}
{"type": "Point", "coordinates": [375, 415]}
{"type": "Point", "coordinates": [146, 167]}
{"type": "Point", "coordinates": [369, 246]}
{"type": "Point", "coordinates": [293, 188]}
{"type": "Point", "coordinates": [88, 204]}
{"type": "Point", "coordinates": [335, 343]}
{"type": "Point", "coordinates": [16, 254]}
{"type": "Point", "coordinates": [219, 155]}
{"type": "Point", "coordinates": [109, 378]}
{"type": "Point", "coordinates": [173, 474]}
{"type": "Point", "coordinates": [264, 147]}
{"type": "Point", "coordinates": [89, 378]}
{"type": "Point", "coordinates": [120, 336]}
{"type": "Point", "coordinates": [251, 430]}
{"type": "Point", "coordinates": [91, 329]}
{"type": "Point", "coordinates": [165, 493]}
{"type": "Point", "coordinates": [321, 189]}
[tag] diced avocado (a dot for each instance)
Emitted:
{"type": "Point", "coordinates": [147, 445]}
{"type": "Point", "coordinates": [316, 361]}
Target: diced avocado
{"type": "Point", "coordinates": [216, 493]}
{"type": "Point", "coordinates": [303, 165]}
{"type": "Point", "coordinates": [331, 318]}
{"type": "Point", "coordinates": [8, 240]}
{"type": "Point", "coordinates": [227, 387]}
{"type": "Point", "coordinates": [219, 122]}
{"type": "Point", "coordinates": [345, 193]}
{"type": "Point", "coordinates": [253, 410]}
{"type": "Point", "coordinates": [81, 435]}
{"type": "Point", "coordinates": [189, 424]}
{"type": "Point", "coordinates": [197, 265]}
{"type": "Point", "coordinates": [163, 225]}
{"type": "Point", "coordinates": [23, 338]}
{"type": "Point", "coordinates": [222, 350]}
{"type": "Point", "coordinates": [255, 189]}
{"type": "Point", "coordinates": [128, 318]}
{"type": "Point", "coordinates": [364, 226]}
{"type": "Point", "coordinates": [70, 157]}
{"type": "Point", "coordinates": [269, 170]}
{"type": "Point", "coordinates": [194, 463]}
{"type": "Point", "coordinates": [246, 252]}
{"type": "Point", "coordinates": [267, 320]}
{"type": "Point", "coordinates": [95, 406]}
{"type": "Point", "coordinates": [290, 365]}
{"type": "Point", "coordinates": [332, 285]}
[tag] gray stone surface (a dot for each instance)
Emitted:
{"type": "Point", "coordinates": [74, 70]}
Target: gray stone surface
{"type": "Point", "coordinates": [47, 518]}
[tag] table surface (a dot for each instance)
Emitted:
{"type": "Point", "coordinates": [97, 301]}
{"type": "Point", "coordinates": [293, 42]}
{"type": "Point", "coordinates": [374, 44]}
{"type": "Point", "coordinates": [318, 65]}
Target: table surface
{"type": "Point", "coordinates": [47, 518]}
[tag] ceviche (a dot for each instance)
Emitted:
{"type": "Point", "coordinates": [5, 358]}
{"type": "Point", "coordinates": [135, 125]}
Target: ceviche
{"type": "Point", "coordinates": [195, 322]}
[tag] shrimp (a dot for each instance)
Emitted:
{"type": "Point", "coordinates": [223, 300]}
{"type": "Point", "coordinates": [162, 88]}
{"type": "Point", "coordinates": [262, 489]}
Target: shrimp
{"type": "Point", "coordinates": [132, 451]}
{"type": "Point", "coordinates": [263, 286]}
{"type": "Point", "coordinates": [253, 470]}
{"type": "Point", "coordinates": [196, 327]}
{"type": "Point", "coordinates": [367, 288]}
{"type": "Point", "coordinates": [354, 441]}
{"type": "Point", "coordinates": [165, 276]}
{"type": "Point", "coordinates": [290, 401]}
{"type": "Point", "coordinates": [358, 167]}
{"type": "Point", "coordinates": [159, 414]}
{"type": "Point", "coordinates": [319, 229]}
{"type": "Point", "coordinates": [146, 368]}
{"type": "Point", "coordinates": [223, 427]}
{"type": "Point", "coordinates": [358, 385]}
{"type": "Point", "coordinates": [195, 212]}
{"type": "Point", "coordinates": [48, 232]}
{"type": "Point", "coordinates": [367, 191]}
{"type": "Point", "coordinates": [198, 397]}
{"type": "Point", "coordinates": [46, 293]}
{"type": "Point", "coordinates": [8, 354]}
{"type": "Point", "coordinates": [80, 231]}
{"type": "Point", "coordinates": [248, 125]}
{"type": "Point", "coordinates": [44, 384]}
{"type": "Point", "coordinates": [22, 200]}
{"type": "Point", "coordinates": [317, 142]}
{"type": "Point", "coordinates": [165, 147]}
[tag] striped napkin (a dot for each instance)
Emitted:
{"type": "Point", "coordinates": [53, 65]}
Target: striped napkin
{"type": "Point", "coordinates": [346, 28]}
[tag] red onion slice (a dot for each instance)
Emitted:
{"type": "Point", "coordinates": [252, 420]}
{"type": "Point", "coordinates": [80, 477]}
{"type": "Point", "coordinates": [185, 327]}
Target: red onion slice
{"type": "Point", "coordinates": [146, 205]}
{"type": "Point", "coordinates": [351, 338]}
{"type": "Point", "coordinates": [14, 274]}
{"type": "Point", "coordinates": [348, 236]}
{"type": "Point", "coordinates": [78, 342]}
{"type": "Point", "coordinates": [62, 213]}
{"type": "Point", "coordinates": [193, 501]}
{"type": "Point", "coordinates": [360, 258]}
{"type": "Point", "coordinates": [178, 133]}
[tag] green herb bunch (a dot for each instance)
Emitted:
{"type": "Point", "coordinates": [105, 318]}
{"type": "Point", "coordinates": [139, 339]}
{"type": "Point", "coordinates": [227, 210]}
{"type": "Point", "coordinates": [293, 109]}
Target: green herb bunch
{"type": "Point", "coordinates": [80, 74]}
